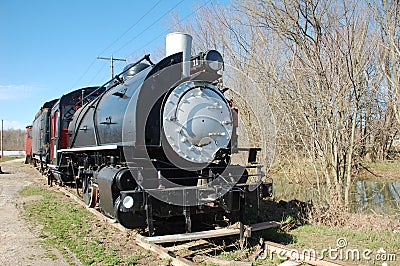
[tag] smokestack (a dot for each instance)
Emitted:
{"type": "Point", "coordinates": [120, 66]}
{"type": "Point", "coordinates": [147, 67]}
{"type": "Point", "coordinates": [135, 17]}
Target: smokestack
{"type": "Point", "coordinates": [176, 42]}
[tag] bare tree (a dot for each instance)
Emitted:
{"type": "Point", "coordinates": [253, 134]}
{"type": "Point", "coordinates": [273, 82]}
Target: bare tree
{"type": "Point", "coordinates": [387, 15]}
{"type": "Point", "coordinates": [317, 65]}
{"type": "Point", "coordinates": [14, 139]}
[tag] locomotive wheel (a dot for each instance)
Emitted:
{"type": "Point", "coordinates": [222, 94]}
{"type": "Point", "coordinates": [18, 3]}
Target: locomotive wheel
{"type": "Point", "coordinates": [89, 192]}
{"type": "Point", "coordinates": [130, 220]}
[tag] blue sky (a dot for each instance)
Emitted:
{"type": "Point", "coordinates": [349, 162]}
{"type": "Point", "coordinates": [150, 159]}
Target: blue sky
{"type": "Point", "coordinates": [48, 48]}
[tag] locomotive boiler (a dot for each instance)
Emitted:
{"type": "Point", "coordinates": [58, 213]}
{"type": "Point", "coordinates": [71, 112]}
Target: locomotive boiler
{"type": "Point", "coordinates": [158, 142]}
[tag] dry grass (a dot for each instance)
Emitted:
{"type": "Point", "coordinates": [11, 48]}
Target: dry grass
{"type": "Point", "coordinates": [386, 170]}
{"type": "Point", "coordinates": [372, 222]}
{"type": "Point", "coordinates": [339, 216]}
{"type": "Point", "coordinates": [330, 215]}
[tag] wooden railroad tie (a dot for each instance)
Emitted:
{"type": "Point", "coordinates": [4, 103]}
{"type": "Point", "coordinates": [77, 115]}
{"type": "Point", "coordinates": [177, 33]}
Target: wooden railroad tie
{"type": "Point", "coordinates": [210, 233]}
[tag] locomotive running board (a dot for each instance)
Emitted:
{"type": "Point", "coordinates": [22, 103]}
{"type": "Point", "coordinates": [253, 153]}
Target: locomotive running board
{"type": "Point", "coordinates": [209, 233]}
{"type": "Point", "coordinates": [94, 148]}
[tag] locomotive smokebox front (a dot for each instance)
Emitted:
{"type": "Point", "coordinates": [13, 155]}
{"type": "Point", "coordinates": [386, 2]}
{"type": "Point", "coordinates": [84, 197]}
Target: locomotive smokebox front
{"type": "Point", "coordinates": [197, 122]}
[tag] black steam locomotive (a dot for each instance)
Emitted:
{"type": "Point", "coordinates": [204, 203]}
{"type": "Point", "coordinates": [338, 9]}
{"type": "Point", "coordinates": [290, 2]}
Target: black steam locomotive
{"type": "Point", "coordinates": [156, 142]}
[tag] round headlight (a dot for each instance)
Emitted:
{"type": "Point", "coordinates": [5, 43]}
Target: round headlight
{"type": "Point", "coordinates": [214, 60]}
{"type": "Point", "coordinates": [128, 202]}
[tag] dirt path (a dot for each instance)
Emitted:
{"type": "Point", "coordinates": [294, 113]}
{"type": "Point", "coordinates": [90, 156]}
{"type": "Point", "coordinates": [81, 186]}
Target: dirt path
{"type": "Point", "coordinates": [18, 244]}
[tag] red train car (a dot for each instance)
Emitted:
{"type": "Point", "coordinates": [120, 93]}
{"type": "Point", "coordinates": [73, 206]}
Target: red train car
{"type": "Point", "coordinates": [28, 144]}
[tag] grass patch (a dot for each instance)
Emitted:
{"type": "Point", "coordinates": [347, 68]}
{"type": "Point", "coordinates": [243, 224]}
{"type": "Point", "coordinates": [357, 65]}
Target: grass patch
{"type": "Point", "coordinates": [70, 228]}
{"type": "Point", "coordinates": [319, 237]}
{"type": "Point", "coordinates": [305, 235]}
{"type": "Point", "coordinates": [9, 158]}
{"type": "Point", "coordinates": [49, 255]}
{"type": "Point", "coordinates": [235, 255]}
{"type": "Point", "coordinates": [30, 191]}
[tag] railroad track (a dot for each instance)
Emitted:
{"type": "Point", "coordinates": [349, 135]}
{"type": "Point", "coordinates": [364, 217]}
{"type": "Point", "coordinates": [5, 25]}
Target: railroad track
{"type": "Point", "coordinates": [198, 247]}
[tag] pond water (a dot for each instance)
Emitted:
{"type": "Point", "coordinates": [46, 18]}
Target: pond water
{"type": "Point", "coordinates": [376, 197]}
{"type": "Point", "coordinates": [367, 196]}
